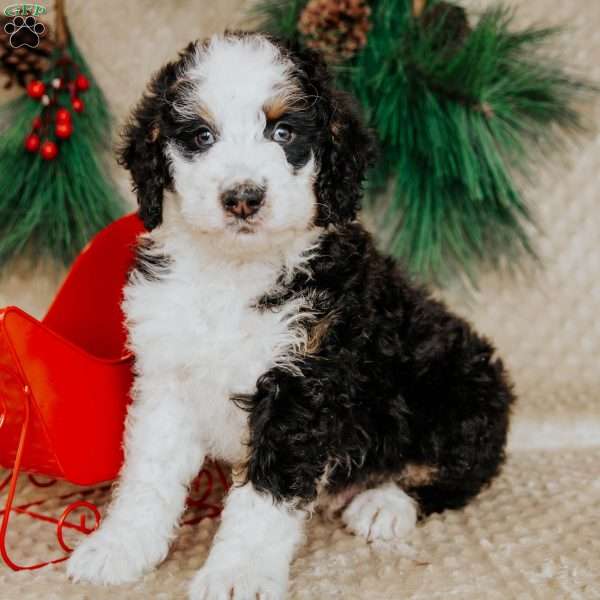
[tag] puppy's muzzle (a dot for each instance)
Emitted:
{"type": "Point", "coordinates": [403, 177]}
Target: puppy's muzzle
{"type": "Point", "coordinates": [243, 200]}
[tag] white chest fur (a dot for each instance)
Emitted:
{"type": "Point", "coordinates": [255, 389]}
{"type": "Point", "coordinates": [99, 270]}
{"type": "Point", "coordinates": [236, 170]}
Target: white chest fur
{"type": "Point", "coordinates": [199, 338]}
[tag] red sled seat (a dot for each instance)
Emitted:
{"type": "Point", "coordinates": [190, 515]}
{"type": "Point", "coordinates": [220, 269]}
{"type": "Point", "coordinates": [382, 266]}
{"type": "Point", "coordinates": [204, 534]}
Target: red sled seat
{"type": "Point", "coordinates": [64, 381]}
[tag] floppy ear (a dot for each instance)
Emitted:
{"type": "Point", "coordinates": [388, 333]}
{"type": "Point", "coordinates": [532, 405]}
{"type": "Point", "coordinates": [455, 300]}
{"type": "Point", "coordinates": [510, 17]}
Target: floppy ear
{"type": "Point", "coordinates": [346, 149]}
{"type": "Point", "coordinates": [143, 149]}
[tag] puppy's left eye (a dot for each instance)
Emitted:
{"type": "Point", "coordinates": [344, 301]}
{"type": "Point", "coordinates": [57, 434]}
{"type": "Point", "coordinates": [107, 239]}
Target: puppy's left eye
{"type": "Point", "coordinates": [205, 137]}
{"type": "Point", "coordinates": [282, 133]}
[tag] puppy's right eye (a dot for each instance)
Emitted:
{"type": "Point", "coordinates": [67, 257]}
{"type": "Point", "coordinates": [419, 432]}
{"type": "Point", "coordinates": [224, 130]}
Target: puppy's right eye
{"type": "Point", "coordinates": [282, 133]}
{"type": "Point", "coordinates": [205, 138]}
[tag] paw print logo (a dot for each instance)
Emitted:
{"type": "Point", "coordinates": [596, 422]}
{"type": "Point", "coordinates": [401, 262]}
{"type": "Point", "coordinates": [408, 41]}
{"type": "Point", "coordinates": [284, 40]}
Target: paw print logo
{"type": "Point", "coordinates": [24, 31]}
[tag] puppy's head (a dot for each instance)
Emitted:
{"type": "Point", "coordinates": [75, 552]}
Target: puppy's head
{"type": "Point", "coordinates": [251, 138]}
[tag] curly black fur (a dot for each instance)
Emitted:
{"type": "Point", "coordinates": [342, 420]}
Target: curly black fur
{"type": "Point", "coordinates": [397, 380]}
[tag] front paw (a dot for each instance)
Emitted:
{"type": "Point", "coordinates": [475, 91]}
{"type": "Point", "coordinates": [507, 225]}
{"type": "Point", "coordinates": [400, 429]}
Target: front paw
{"type": "Point", "coordinates": [237, 582]}
{"type": "Point", "coordinates": [113, 556]}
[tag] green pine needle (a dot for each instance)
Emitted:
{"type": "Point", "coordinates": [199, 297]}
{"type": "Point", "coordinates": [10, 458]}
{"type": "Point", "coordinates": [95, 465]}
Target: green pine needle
{"type": "Point", "coordinates": [54, 207]}
{"type": "Point", "coordinates": [457, 126]}
{"type": "Point", "coordinates": [279, 17]}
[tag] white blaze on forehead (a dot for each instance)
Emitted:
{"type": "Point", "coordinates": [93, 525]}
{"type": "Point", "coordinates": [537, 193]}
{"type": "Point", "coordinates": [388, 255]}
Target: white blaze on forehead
{"type": "Point", "coordinates": [235, 76]}
{"type": "Point", "coordinates": [235, 83]}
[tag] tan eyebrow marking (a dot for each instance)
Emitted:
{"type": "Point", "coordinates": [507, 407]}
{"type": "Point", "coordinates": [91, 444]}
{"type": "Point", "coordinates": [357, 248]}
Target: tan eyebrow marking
{"type": "Point", "coordinates": [205, 114]}
{"type": "Point", "coordinates": [188, 106]}
{"type": "Point", "coordinates": [275, 108]}
{"type": "Point", "coordinates": [200, 110]}
{"type": "Point", "coordinates": [284, 101]}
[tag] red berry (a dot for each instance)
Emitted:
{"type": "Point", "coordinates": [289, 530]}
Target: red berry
{"type": "Point", "coordinates": [37, 123]}
{"type": "Point", "coordinates": [36, 89]}
{"type": "Point", "coordinates": [77, 104]}
{"type": "Point", "coordinates": [63, 130]}
{"type": "Point", "coordinates": [32, 142]}
{"type": "Point", "coordinates": [63, 116]}
{"type": "Point", "coordinates": [82, 83]}
{"type": "Point", "coordinates": [49, 150]}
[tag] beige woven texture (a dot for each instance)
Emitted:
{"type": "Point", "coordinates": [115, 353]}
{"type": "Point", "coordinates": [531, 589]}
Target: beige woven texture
{"type": "Point", "coordinates": [536, 532]}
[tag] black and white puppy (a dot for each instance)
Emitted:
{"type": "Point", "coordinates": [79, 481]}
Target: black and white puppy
{"type": "Point", "coordinates": [270, 333]}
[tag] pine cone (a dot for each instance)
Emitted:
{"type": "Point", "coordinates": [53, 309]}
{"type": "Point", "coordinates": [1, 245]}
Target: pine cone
{"type": "Point", "coordinates": [23, 64]}
{"type": "Point", "coordinates": [338, 28]}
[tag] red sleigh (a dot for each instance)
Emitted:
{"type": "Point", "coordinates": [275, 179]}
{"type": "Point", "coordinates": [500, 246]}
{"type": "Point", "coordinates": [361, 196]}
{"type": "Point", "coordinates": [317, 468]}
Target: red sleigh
{"type": "Point", "coordinates": [64, 383]}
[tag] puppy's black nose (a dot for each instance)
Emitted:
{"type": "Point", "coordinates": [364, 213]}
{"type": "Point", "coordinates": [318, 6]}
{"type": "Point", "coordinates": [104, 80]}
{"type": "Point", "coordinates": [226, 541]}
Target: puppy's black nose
{"type": "Point", "coordinates": [243, 200]}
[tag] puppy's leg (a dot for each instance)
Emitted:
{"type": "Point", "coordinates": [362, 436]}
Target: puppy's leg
{"type": "Point", "coordinates": [382, 513]}
{"type": "Point", "coordinates": [162, 455]}
{"type": "Point", "coordinates": [252, 550]}
{"type": "Point", "coordinates": [261, 527]}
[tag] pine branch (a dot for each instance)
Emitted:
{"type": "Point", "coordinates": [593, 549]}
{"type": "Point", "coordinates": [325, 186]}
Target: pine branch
{"type": "Point", "coordinates": [279, 17]}
{"type": "Point", "coordinates": [54, 207]}
{"type": "Point", "coordinates": [460, 111]}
